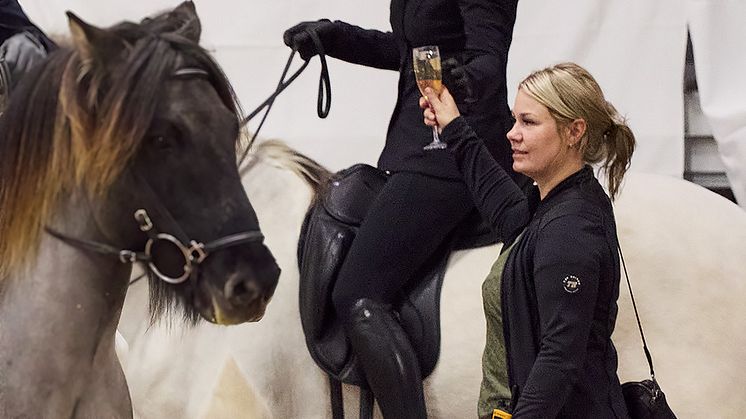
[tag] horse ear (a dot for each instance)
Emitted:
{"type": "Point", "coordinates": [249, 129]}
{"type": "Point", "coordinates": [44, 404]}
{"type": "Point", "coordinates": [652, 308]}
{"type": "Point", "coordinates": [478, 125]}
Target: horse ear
{"type": "Point", "coordinates": [191, 28]}
{"type": "Point", "coordinates": [95, 45]}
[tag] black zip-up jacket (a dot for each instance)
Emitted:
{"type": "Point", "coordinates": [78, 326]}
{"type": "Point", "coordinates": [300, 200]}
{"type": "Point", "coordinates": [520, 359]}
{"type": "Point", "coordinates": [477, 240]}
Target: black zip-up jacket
{"type": "Point", "coordinates": [559, 286]}
{"type": "Point", "coordinates": [477, 33]}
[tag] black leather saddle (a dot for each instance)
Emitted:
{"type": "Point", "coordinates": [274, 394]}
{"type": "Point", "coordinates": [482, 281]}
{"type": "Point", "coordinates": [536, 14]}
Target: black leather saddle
{"type": "Point", "coordinates": [328, 230]}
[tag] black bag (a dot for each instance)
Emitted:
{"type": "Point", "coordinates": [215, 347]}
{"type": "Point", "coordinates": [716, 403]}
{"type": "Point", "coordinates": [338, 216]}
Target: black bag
{"type": "Point", "coordinates": [644, 399]}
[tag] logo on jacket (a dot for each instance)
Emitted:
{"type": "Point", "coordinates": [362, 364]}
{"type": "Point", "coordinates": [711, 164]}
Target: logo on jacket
{"type": "Point", "coordinates": [571, 284]}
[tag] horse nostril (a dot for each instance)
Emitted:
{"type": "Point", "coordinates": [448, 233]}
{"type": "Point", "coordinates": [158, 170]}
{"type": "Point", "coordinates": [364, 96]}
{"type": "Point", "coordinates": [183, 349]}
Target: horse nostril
{"type": "Point", "coordinates": [240, 291]}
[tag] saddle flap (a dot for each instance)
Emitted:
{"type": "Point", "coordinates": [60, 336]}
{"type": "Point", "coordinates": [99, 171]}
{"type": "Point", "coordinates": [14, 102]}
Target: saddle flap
{"type": "Point", "coordinates": [419, 309]}
{"type": "Point", "coordinates": [351, 193]}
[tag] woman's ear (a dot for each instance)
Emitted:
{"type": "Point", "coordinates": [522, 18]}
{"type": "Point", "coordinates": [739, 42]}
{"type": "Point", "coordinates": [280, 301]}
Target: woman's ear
{"type": "Point", "coordinates": [575, 131]}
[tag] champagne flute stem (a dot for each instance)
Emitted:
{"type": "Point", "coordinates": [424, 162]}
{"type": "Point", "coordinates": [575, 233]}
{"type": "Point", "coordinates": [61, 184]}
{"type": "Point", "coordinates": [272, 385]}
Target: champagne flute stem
{"type": "Point", "coordinates": [436, 136]}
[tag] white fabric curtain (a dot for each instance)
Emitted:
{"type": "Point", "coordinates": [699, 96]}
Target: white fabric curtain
{"type": "Point", "coordinates": [719, 46]}
{"type": "Point", "coordinates": [636, 51]}
{"type": "Point", "coordinates": [635, 48]}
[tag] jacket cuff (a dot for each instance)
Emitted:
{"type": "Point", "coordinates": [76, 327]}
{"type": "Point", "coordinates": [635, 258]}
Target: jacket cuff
{"type": "Point", "coordinates": [456, 131]}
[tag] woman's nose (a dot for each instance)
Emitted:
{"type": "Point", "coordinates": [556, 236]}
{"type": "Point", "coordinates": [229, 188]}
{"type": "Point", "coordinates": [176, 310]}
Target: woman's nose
{"type": "Point", "coordinates": [513, 134]}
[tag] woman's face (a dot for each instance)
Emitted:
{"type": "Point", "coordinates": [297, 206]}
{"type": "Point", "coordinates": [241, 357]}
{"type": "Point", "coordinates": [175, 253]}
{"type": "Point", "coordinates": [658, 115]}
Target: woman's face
{"type": "Point", "coordinates": [539, 150]}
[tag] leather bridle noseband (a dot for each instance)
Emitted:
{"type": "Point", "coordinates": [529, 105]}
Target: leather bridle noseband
{"type": "Point", "coordinates": [194, 252]}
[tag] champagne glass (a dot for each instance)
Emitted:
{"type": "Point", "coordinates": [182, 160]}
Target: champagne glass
{"type": "Point", "coordinates": [426, 62]}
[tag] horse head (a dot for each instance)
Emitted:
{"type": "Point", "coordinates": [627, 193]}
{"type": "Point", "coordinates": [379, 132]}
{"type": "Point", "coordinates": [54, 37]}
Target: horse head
{"type": "Point", "coordinates": [146, 126]}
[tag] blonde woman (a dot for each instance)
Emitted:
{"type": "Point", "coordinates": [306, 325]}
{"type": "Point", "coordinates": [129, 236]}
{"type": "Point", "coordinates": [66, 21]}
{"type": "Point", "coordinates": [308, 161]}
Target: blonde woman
{"type": "Point", "coordinates": [550, 300]}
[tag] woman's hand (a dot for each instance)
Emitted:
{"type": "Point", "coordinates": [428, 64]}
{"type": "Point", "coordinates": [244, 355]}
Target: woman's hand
{"type": "Point", "coordinates": [438, 111]}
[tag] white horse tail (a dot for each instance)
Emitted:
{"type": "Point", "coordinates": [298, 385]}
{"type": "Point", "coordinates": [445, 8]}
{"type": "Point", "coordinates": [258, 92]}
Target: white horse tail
{"type": "Point", "coordinates": [279, 154]}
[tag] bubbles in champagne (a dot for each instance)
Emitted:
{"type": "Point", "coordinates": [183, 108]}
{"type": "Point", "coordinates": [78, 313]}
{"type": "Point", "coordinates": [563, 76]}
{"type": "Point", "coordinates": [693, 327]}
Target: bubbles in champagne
{"type": "Point", "coordinates": [427, 71]}
{"type": "Point", "coordinates": [436, 85]}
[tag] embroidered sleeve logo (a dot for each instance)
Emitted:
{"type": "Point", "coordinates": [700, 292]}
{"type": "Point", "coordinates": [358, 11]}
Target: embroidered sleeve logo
{"type": "Point", "coordinates": [571, 284]}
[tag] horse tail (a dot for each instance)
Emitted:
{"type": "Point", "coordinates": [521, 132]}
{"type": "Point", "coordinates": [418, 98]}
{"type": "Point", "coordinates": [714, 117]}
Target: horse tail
{"type": "Point", "coordinates": [278, 153]}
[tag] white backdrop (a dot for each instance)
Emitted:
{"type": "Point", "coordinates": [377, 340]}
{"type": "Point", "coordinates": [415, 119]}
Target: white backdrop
{"type": "Point", "coordinates": [635, 48]}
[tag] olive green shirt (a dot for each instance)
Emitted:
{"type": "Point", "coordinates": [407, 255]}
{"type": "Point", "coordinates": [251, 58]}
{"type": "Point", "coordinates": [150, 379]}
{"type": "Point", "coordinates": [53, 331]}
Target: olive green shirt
{"type": "Point", "coordinates": [495, 386]}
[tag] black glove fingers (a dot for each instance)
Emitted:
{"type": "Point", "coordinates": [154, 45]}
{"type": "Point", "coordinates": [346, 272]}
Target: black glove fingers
{"type": "Point", "coordinates": [302, 40]}
{"type": "Point", "coordinates": [297, 37]}
{"type": "Point", "coordinates": [289, 35]}
{"type": "Point", "coordinates": [459, 75]}
{"type": "Point", "coordinates": [449, 64]}
{"type": "Point", "coordinates": [457, 80]}
{"type": "Point", "coordinates": [287, 38]}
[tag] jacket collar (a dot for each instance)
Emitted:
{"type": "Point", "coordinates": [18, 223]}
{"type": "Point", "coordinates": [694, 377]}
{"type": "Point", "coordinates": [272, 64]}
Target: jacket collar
{"type": "Point", "coordinates": [581, 176]}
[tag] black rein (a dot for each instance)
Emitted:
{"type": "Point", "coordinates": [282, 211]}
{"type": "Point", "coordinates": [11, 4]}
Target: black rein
{"type": "Point", "coordinates": [323, 102]}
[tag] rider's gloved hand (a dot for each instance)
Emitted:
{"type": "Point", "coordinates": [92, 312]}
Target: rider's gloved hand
{"type": "Point", "coordinates": [298, 37]}
{"type": "Point", "coordinates": [458, 82]}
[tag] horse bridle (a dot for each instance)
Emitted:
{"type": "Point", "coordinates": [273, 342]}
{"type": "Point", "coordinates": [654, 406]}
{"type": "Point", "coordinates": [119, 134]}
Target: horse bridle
{"type": "Point", "coordinates": [194, 252]}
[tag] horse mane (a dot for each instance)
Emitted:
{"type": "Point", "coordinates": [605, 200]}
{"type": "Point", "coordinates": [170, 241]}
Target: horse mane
{"type": "Point", "coordinates": [278, 153]}
{"type": "Point", "coordinates": [73, 125]}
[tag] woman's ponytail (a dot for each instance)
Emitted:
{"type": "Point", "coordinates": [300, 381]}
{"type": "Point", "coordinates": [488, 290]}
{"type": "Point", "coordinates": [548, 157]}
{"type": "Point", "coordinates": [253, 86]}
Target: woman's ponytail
{"type": "Point", "coordinates": [619, 143]}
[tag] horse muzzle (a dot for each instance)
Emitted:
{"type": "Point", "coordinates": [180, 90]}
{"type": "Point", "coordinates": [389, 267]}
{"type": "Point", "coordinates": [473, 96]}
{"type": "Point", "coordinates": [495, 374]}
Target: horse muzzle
{"type": "Point", "coordinates": [243, 297]}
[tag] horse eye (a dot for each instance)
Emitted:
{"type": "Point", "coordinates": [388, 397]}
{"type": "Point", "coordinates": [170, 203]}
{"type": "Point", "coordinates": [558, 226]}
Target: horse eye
{"type": "Point", "coordinates": [161, 142]}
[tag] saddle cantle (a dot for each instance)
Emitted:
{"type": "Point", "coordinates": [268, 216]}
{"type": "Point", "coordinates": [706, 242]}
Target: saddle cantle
{"type": "Point", "coordinates": [328, 230]}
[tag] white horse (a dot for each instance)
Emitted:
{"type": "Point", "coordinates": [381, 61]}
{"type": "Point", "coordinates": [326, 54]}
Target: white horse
{"type": "Point", "coordinates": [685, 249]}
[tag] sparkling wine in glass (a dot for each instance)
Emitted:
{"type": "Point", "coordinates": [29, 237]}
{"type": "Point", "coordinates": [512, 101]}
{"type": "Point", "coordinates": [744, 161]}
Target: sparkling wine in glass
{"type": "Point", "coordinates": [426, 61]}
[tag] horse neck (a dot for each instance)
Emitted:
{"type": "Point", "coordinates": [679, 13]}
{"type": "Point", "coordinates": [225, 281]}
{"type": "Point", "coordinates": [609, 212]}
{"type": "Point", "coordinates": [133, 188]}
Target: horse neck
{"type": "Point", "coordinates": [58, 321]}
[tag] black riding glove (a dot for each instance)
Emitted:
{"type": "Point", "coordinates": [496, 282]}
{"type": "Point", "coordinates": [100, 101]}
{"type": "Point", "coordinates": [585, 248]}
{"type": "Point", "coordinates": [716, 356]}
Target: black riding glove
{"type": "Point", "coordinates": [457, 81]}
{"type": "Point", "coordinates": [298, 37]}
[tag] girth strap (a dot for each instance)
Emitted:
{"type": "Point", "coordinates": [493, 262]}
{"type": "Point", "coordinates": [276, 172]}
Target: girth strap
{"type": "Point", "coordinates": [366, 403]}
{"type": "Point", "coordinates": [337, 402]}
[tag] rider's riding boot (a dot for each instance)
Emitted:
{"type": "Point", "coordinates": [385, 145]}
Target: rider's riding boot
{"type": "Point", "coordinates": [388, 360]}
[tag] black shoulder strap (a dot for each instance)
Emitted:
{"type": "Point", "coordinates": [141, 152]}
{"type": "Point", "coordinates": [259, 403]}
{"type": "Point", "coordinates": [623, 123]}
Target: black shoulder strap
{"type": "Point", "coordinates": [637, 315]}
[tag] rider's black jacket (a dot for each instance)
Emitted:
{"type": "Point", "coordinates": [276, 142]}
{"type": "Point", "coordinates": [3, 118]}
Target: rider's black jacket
{"type": "Point", "coordinates": [559, 286]}
{"type": "Point", "coordinates": [477, 33]}
{"type": "Point", "coordinates": [13, 20]}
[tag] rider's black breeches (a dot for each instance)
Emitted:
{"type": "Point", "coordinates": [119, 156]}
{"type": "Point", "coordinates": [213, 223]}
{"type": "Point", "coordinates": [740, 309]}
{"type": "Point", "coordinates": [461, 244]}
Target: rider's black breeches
{"type": "Point", "coordinates": [409, 220]}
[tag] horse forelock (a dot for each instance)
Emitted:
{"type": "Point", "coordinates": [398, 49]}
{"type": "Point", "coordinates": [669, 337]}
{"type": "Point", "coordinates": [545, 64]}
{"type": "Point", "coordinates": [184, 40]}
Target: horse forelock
{"type": "Point", "coordinates": [73, 125]}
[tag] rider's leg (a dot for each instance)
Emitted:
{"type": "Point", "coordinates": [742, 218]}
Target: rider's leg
{"type": "Point", "coordinates": [388, 360]}
{"type": "Point", "coordinates": [407, 223]}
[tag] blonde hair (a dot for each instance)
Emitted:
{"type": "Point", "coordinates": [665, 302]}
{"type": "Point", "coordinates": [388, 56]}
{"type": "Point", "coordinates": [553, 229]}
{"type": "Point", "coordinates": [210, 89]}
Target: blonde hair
{"type": "Point", "coordinates": [570, 92]}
